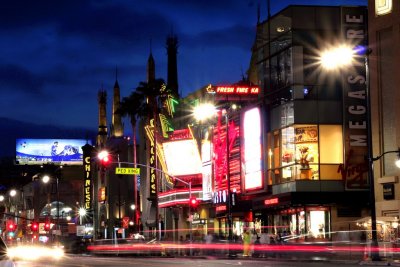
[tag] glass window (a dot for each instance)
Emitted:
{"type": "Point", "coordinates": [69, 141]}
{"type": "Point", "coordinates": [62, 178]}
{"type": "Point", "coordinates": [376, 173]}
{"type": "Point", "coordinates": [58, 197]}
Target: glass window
{"type": "Point", "coordinates": [331, 143]}
{"type": "Point", "coordinates": [331, 151]}
{"type": "Point", "coordinates": [318, 222]}
{"type": "Point", "coordinates": [306, 140]}
{"type": "Point", "coordinates": [281, 69]}
{"type": "Point", "coordinates": [288, 152]}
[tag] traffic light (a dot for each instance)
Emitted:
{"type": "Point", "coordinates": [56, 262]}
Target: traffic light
{"type": "Point", "coordinates": [105, 158]}
{"type": "Point", "coordinates": [193, 203]}
{"type": "Point", "coordinates": [47, 226]}
{"type": "Point", "coordinates": [10, 226]}
{"type": "Point", "coordinates": [34, 226]}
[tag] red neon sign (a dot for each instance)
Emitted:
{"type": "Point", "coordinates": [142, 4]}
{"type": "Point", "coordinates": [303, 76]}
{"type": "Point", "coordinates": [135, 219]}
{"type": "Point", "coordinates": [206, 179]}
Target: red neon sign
{"type": "Point", "coordinates": [220, 208]}
{"type": "Point", "coordinates": [271, 201]}
{"type": "Point", "coordinates": [237, 90]}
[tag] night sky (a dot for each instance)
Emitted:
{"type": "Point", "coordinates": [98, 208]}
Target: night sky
{"type": "Point", "coordinates": [56, 55]}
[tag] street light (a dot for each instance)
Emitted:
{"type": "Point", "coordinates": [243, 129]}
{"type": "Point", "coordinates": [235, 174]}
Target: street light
{"type": "Point", "coordinates": [338, 58]}
{"type": "Point", "coordinates": [45, 179]}
{"type": "Point", "coordinates": [203, 112]}
{"type": "Point", "coordinates": [82, 213]}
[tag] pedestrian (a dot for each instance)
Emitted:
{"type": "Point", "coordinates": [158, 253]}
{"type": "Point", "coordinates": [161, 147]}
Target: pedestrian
{"type": "Point", "coordinates": [181, 246]}
{"type": "Point", "coordinates": [246, 243]}
{"type": "Point", "coordinates": [264, 240]}
{"type": "Point", "coordinates": [255, 243]}
{"type": "Point", "coordinates": [208, 240]}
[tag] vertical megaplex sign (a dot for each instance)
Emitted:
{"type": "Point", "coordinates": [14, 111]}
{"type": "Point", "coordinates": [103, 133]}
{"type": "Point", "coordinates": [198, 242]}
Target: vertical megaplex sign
{"type": "Point", "coordinates": [153, 180]}
{"type": "Point", "coordinates": [354, 170]}
{"type": "Point", "coordinates": [87, 154]}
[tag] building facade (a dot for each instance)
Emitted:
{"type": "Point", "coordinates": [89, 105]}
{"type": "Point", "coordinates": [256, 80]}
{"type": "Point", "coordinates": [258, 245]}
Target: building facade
{"type": "Point", "coordinates": [315, 135]}
{"type": "Point", "coordinates": [384, 40]}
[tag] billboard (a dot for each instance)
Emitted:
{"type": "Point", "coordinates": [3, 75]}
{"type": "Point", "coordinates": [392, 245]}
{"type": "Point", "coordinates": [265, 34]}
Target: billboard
{"type": "Point", "coordinates": [182, 157]}
{"type": "Point", "coordinates": [41, 151]}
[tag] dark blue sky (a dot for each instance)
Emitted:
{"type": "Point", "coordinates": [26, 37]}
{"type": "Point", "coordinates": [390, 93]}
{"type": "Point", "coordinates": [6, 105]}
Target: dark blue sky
{"type": "Point", "coordinates": [56, 55]}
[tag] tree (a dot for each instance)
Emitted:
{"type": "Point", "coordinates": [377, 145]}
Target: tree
{"type": "Point", "coordinates": [133, 107]}
{"type": "Point", "coordinates": [144, 103]}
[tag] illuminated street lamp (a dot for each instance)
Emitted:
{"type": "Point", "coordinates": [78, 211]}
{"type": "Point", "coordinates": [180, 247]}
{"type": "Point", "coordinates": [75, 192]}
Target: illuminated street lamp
{"type": "Point", "coordinates": [46, 179]}
{"type": "Point", "coordinates": [13, 192]}
{"type": "Point", "coordinates": [82, 213]}
{"type": "Point", "coordinates": [206, 111]}
{"type": "Point", "coordinates": [342, 57]}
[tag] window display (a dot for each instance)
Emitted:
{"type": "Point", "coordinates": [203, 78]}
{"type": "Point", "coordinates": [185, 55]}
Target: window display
{"type": "Point", "coordinates": [306, 140]}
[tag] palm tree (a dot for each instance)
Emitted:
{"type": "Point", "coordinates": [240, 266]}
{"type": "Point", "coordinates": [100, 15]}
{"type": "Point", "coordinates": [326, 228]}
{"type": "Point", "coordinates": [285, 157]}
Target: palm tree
{"type": "Point", "coordinates": [155, 93]}
{"type": "Point", "coordinates": [144, 103]}
{"type": "Point", "coordinates": [132, 106]}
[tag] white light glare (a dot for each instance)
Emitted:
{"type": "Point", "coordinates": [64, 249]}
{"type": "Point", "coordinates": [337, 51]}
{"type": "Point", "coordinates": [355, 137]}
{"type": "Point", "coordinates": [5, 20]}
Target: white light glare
{"type": "Point", "coordinates": [397, 162]}
{"type": "Point", "coordinates": [46, 179]}
{"type": "Point", "coordinates": [204, 111]}
{"type": "Point", "coordinates": [103, 154]}
{"type": "Point", "coordinates": [337, 57]}
{"type": "Point", "coordinates": [82, 212]}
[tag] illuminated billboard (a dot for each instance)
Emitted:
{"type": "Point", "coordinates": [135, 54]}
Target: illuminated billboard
{"type": "Point", "coordinates": [41, 151]}
{"type": "Point", "coordinates": [252, 157]}
{"type": "Point", "coordinates": [182, 157]}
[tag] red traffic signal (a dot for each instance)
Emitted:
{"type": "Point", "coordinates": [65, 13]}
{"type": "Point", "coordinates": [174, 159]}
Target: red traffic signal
{"type": "Point", "coordinates": [10, 226]}
{"type": "Point", "coordinates": [104, 157]}
{"type": "Point", "coordinates": [34, 226]}
{"type": "Point", "coordinates": [47, 226]}
{"type": "Point", "coordinates": [193, 202]}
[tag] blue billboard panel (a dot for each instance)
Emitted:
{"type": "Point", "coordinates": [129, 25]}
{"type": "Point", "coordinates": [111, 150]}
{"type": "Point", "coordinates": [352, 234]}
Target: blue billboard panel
{"type": "Point", "coordinates": [58, 151]}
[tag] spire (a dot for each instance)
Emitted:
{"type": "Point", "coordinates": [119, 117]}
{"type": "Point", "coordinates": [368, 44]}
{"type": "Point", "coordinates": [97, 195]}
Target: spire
{"type": "Point", "coordinates": [117, 129]}
{"type": "Point", "coordinates": [151, 67]}
{"type": "Point", "coordinates": [172, 51]}
{"type": "Point", "coordinates": [102, 133]}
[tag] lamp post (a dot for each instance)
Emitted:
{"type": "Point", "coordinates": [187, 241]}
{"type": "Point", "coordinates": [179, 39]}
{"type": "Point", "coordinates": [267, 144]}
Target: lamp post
{"type": "Point", "coordinates": [341, 57]}
{"type": "Point", "coordinates": [203, 112]}
{"type": "Point", "coordinates": [46, 179]}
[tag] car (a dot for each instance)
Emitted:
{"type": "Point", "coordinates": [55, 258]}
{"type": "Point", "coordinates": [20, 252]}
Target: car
{"type": "Point", "coordinates": [5, 260]}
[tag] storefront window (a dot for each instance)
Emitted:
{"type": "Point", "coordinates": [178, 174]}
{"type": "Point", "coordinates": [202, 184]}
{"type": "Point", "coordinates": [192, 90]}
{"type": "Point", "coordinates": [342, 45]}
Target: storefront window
{"type": "Point", "coordinates": [318, 222]}
{"type": "Point", "coordinates": [330, 155]}
{"type": "Point", "coordinates": [288, 152]}
{"type": "Point", "coordinates": [306, 140]}
{"type": "Point", "coordinates": [305, 152]}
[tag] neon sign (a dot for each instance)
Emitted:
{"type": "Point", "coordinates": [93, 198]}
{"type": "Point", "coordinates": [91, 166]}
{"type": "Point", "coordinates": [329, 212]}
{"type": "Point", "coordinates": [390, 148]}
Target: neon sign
{"type": "Point", "coordinates": [271, 201]}
{"type": "Point", "coordinates": [220, 208]}
{"type": "Point", "coordinates": [153, 192]}
{"type": "Point", "coordinates": [234, 90]}
{"type": "Point", "coordinates": [87, 187]}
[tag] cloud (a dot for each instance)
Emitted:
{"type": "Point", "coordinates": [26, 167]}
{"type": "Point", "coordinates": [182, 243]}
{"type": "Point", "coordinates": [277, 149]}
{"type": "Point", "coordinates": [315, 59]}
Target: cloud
{"type": "Point", "coordinates": [236, 36]}
{"type": "Point", "coordinates": [16, 79]}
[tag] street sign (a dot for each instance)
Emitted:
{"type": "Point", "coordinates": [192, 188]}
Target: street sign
{"type": "Point", "coordinates": [127, 171]}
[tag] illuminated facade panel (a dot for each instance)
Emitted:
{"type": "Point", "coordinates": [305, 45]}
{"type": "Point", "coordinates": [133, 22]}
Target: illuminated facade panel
{"type": "Point", "coordinates": [252, 160]}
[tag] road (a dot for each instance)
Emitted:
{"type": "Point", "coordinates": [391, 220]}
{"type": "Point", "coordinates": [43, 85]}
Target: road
{"type": "Point", "coordinates": [89, 261]}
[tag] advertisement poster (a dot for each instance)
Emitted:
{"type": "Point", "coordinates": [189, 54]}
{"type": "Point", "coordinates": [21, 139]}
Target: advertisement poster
{"type": "Point", "coordinates": [41, 151]}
